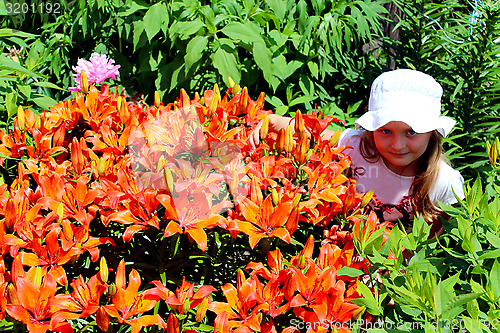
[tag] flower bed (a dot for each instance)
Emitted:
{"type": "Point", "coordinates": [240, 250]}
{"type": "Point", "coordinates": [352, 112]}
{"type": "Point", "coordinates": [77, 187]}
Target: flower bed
{"type": "Point", "coordinates": [108, 185]}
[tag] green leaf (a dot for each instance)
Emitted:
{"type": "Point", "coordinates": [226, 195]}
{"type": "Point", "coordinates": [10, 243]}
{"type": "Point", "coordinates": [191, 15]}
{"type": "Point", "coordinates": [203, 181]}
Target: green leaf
{"type": "Point", "coordinates": [155, 18]}
{"type": "Point", "coordinates": [313, 68]}
{"type": "Point", "coordinates": [185, 29]}
{"type": "Point", "coordinates": [45, 84]}
{"type": "Point", "coordinates": [489, 254]}
{"type": "Point", "coordinates": [139, 36]}
{"type": "Point", "coordinates": [368, 300]}
{"type": "Point", "coordinates": [11, 103]}
{"type": "Point", "coordinates": [45, 102]}
{"type": "Point", "coordinates": [262, 56]}
{"type": "Point", "coordinates": [25, 90]}
{"type": "Point", "coordinates": [9, 64]}
{"type": "Point", "coordinates": [473, 309]}
{"type": "Point", "coordinates": [301, 100]}
{"type": "Point", "coordinates": [278, 7]}
{"type": "Point", "coordinates": [247, 32]}
{"type": "Point", "coordinates": [494, 279]}
{"type": "Point", "coordinates": [493, 239]}
{"type": "Point", "coordinates": [349, 271]}
{"type": "Point", "coordinates": [456, 303]}
{"type": "Point", "coordinates": [195, 50]}
{"type": "Point", "coordinates": [277, 38]}
{"type": "Point", "coordinates": [15, 33]}
{"type": "Point", "coordinates": [225, 60]}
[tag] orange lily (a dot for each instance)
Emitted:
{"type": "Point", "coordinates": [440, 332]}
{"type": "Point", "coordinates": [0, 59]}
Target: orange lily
{"type": "Point", "coordinates": [33, 305]}
{"type": "Point", "coordinates": [50, 257]}
{"type": "Point", "coordinates": [183, 294]}
{"type": "Point", "coordinates": [189, 218]}
{"type": "Point", "coordinates": [265, 220]}
{"type": "Point", "coordinates": [128, 303]}
{"type": "Point", "coordinates": [240, 310]}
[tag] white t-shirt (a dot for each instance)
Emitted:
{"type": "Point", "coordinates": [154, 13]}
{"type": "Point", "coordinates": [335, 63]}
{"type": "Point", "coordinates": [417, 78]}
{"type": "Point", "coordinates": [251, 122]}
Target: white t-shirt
{"type": "Point", "coordinates": [391, 189]}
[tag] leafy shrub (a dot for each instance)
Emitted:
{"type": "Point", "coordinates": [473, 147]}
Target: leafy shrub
{"type": "Point", "coordinates": [449, 283]}
{"type": "Point", "coordinates": [301, 53]}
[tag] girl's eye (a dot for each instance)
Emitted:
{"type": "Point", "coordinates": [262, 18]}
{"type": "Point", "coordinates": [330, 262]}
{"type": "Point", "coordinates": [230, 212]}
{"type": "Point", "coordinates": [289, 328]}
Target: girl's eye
{"type": "Point", "coordinates": [385, 131]}
{"type": "Point", "coordinates": [412, 132]}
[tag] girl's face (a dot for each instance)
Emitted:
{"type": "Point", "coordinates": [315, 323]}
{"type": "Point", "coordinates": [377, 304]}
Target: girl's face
{"type": "Point", "coordinates": [400, 147]}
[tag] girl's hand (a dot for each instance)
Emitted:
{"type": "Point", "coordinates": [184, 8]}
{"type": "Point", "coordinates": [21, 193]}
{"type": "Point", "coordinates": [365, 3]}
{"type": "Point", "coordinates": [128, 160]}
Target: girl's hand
{"type": "Point", "coordinates": [254, 137]}
{"type": "Point", "coordinates": [276, 123]}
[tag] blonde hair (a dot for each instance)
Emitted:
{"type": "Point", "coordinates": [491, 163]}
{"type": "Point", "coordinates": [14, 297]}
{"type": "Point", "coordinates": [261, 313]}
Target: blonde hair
{"type": "Point", "coordinates": [428, 169]}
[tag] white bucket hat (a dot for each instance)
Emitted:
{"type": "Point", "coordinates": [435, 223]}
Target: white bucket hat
{"type": "Point", "coordinates": [409, 96]}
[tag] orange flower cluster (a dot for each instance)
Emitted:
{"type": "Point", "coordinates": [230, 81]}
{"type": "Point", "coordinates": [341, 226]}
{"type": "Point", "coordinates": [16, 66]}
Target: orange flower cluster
{"type": "Point", "coordinates": [182, 168]}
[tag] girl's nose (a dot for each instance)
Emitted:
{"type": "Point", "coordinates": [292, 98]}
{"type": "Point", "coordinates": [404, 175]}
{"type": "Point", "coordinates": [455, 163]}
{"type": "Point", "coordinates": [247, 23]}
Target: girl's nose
{"type": "Point", "coordinates": [398, 143]}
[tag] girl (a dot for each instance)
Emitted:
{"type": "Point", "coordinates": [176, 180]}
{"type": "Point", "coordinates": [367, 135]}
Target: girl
{"type": "Point", "coordinates": [396, 151]}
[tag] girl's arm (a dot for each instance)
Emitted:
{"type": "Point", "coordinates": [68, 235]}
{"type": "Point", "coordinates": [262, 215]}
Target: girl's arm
{"type": "Point", "coordinates": [277, 122]}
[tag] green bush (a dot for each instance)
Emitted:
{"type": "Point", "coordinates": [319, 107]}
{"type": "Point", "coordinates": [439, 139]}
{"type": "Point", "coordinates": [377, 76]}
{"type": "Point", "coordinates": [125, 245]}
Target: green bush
{"type": "Point", "coordinates": [301, 53]}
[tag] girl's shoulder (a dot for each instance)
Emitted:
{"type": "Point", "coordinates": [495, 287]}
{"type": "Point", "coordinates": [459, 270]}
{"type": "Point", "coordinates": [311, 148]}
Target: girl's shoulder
{"type": "Point", "coordinates": [350, 137]}
{"type": "Point", "coordinates": [449, 183]}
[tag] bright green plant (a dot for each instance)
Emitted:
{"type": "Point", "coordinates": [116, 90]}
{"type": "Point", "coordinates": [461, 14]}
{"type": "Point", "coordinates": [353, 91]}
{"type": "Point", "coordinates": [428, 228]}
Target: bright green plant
{"type": "Point", "coordinates": [22, 81]}
{"type": "Point", "coordinates": [448, 283]}
{"type": "Point", "coordinates": [301, 53]}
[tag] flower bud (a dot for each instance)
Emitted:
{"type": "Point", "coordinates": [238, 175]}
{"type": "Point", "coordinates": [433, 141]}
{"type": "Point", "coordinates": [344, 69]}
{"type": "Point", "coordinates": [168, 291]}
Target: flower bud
{"type": "Point", "coordinates": [186, 306]}
{"type": "Point", "coordinates": [202, 310]}
{"type": "Point", "coordinates": [493, 150]}
{"type": "Point", "coordinates": [101, 166]}
{"type": "Point", "coordinates": [21, 120]}
{"type": "Point", "coordinates": [280, 142]}
{"type": "Point", "coordinates": [37, 276]}
{"type": "Point", "coordinates": [288, 139]}
{"type": "Point", "coordinates": [235, 87]}
{"type": "Point", "coordinates": [301, 264]}
{"type": "Point", "coordinates": [265, 127]}
{"type": "Point", "coordinates": [157, 99]}
{"type": "Point", "coordinates": [169, 179]}
{"type": "Point", "coordinates": [309, 154]}
{"type": "Point", "coordinates": [335, 138]}
{"type": "Point", "coordinates": [60, 212]}
{"type": "Point", "coordinates": [299, 125]}
{"type": "Point", "coordinates": [367, 198]}
{"type": "Point", "coordinates": [103, 270]}
{"type": "Point", "coordinates": [84, 83]}
{"type": "Point", "coordinates": [255, 192]}
{"type": "Point", "coordinates": [123, 110]}
{"type": "Point", "coordinates": [38, 122]}
{"type": "Point", "coordinates": [296, 199]}
{"type": "Point", "coordinates": [212, 107]}
{"type": "Point", "coordinates": [112, 290]}
{"type": "Point", "coordinates": [235, 182]}
{"type": "Point", "coordinates": [102, 319]}
{"type": "Point", "coordinates": [12, 297]}
{"type": "Point", "coordinates": [302, 149]}
{"type": "Point", "coordinates": [275, 196]}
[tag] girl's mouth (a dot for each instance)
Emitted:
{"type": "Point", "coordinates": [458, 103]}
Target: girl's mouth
{"type": "Point", "coordinates": [399, 154]}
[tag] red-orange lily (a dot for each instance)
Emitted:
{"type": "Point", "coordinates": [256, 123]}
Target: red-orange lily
{"type": "Point", "coordinates": [33, 305]}
{"type": "Point", "coordinates": [265, 220]}
{"type": "Point", "coordinates": [128, 303]}
{"type": "Point", "coordinates": [183, 294]}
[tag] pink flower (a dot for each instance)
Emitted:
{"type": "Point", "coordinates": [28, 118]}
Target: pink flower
{"type": "Point", "coordinates": [98, 69]}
